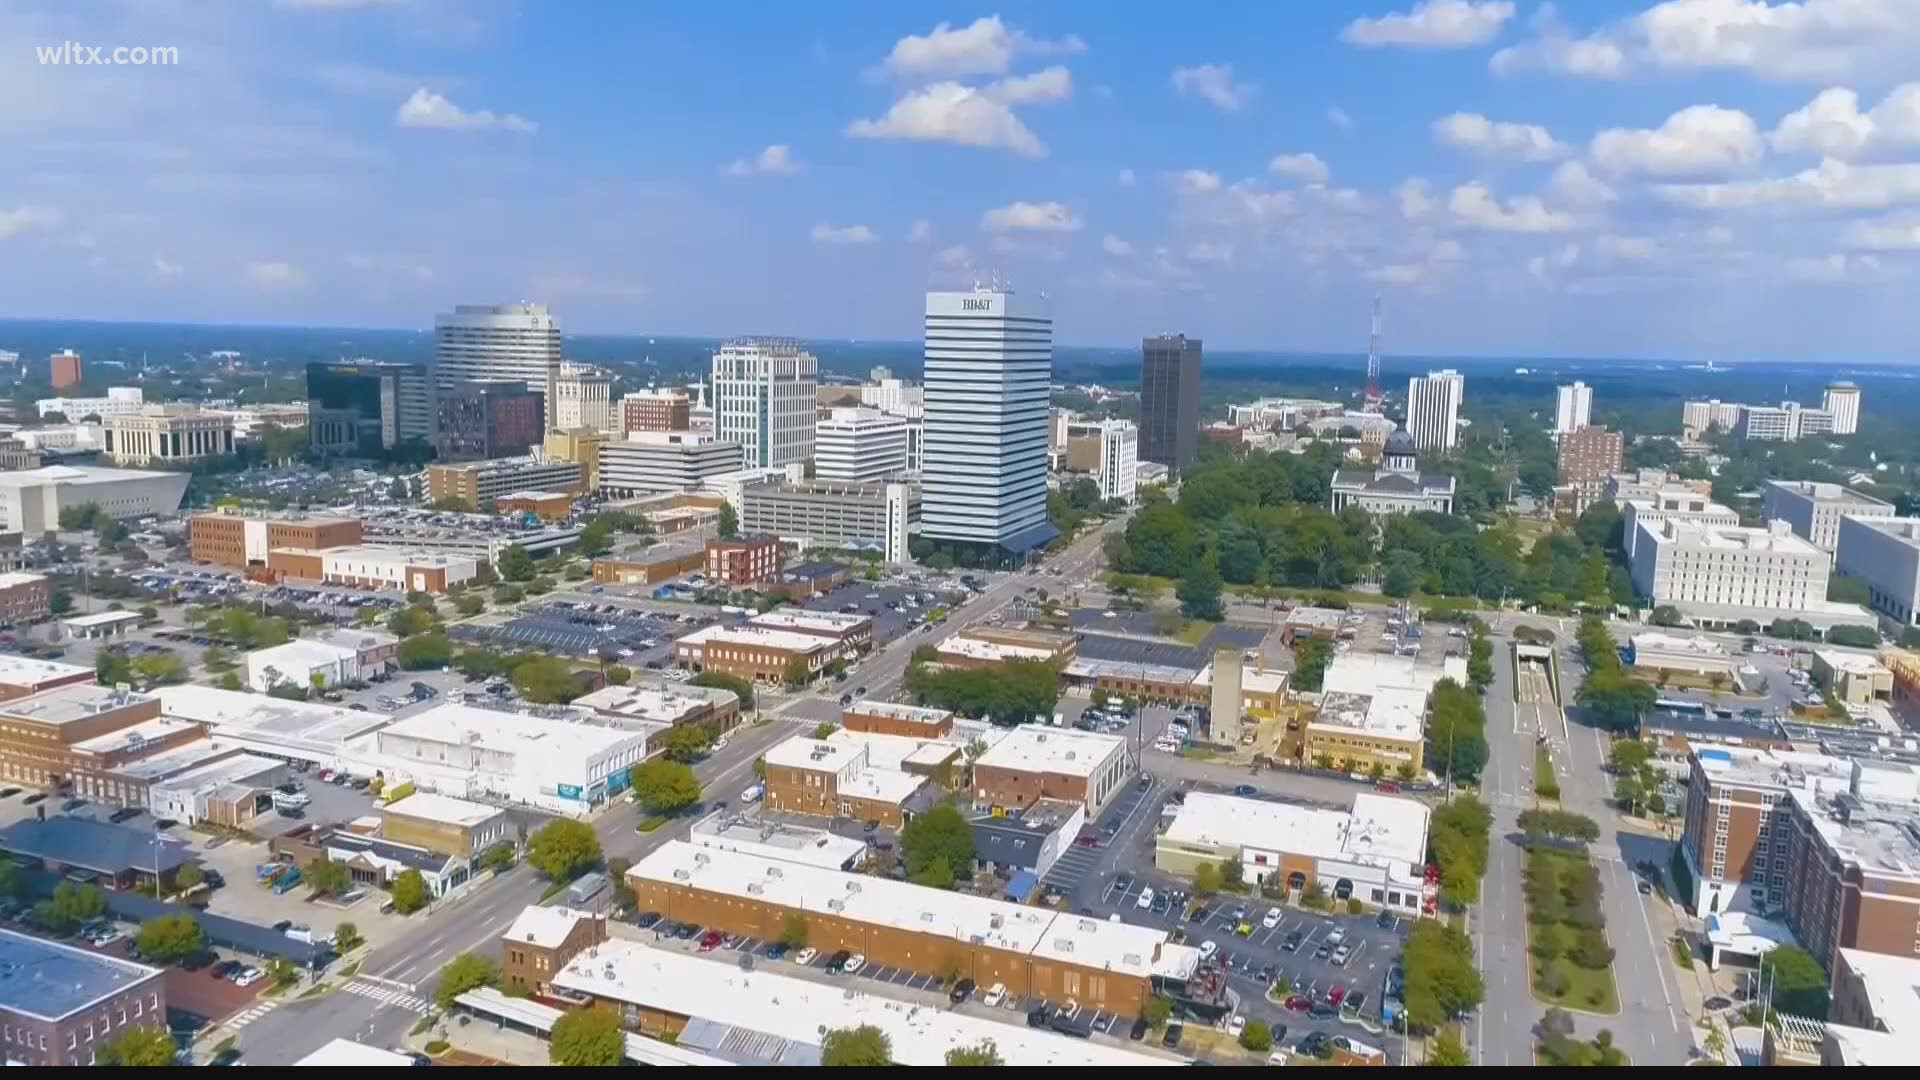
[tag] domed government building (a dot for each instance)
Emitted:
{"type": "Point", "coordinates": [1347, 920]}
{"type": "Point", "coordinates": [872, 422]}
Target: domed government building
{"type": "Point", "coordinates": [1397, 486]}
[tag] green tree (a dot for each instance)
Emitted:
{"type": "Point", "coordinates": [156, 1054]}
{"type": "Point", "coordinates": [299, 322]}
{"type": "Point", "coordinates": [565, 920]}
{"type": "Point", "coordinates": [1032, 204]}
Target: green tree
{"type": "Point", "coordinates": [70, 905]}
{"type": "Point", "coordinates": [584, 1037]}
{"type": "Point", "coordinates": [563, 848]}
{"type": "Point", "coordinates": [720, 680]}
{"type": "Point", "coordinates": [1199, 592]}
{"type": "Point", "coordinates": [424, 652]}
{"type": "Point", "coordinates": [409, 892]}
{"type": "Point", "coordinates": [1311, 655]}
{"type": "Point", "coordinates": [59, 601]}
{"type": "Point", "coordinates": [934, 874]}
{"type": "Point", "coordinates": [729, 522]}
{"type": "Point", "coordinates": [145, 1046]}
{"type": "Point", "coordinates": [111, 667]}
{"type": "Point", "coordinates": [161, 669]}
{"type": "Point", "coordinates": [1206, 879]}
{"type": "Point", "coordinates": [982, 1053]}
{"type": "Point", "coordinates": [664, 787]}
{"type": "Point", "coordinates": [346, 938]}
{"type": "Point", "coordinates": [465, 972]}
{"type": "Point", "coordinates": [1799, 983]}
{"type": "Point", "coordinates": [325, 877]}
{"type": "Point", "coordinates": [685, 743]}
{"type": "Point", "coordinates": [1441, 980]}
{"type": "Point", "coordinates": [185, 877]}
{"type": "Point", "coordinates": [824, 728]}
{"type": "Point", "coordinates": [514, 564]}
{"type": "Point", "coordinates": [793, 930]}
{"type": "Point", "coordinates": [618, 675]}
{"type": "Point", "coordinates": [942, 833]}
{"type": "Point", "coordinates": [1157, 1011]}
{"type": "Point", "coordinates": [797, 673]}
{"type": "Point", "coordinates": [1446, 1051]}
{"type": "Point", "coordinates": [863, 1045]}
{"type": "Point", "coordinates": [498, 857]}
{"type": "Point", "coordinates": [546, 680]}
{"type": "Point", "coordinates": [1257, 1036]}
{"type": "Point", "coordinates": [169, 939]}
{"type": "Point", "coordinates": [468, 604]}
{"type": "Point", "coordinates": [219, 659]}
{"type": "Point", "coordinates": [412, 620]}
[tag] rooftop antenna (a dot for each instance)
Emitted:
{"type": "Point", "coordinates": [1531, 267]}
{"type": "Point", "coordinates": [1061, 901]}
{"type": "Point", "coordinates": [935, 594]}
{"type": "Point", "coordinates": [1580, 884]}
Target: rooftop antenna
{"type": "Point", "coordinates": [1374, 398]}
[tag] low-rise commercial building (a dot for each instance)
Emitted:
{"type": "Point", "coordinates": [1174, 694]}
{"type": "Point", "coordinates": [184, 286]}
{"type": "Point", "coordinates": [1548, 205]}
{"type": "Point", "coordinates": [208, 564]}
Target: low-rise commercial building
{"type": "Point", "coordinates": [837, 778]}
{"type": "Point", "coordinates": [24, 598]}
{"type": "Point", "coordinates": [1815, 508]}
{"type": "Point", "coordinates": [743, 560]}
{"type": "Point", "coordinates": [168, 435]}
{"type": "Point", "coordinates": [661, 562]}
{"type": "Point", "coordinates": [63, 1004]}
{"type": "Point", "coordinates": [983, 646]}
{"type": "Point", "coordinates": [476, 482]}
{"type": "Point", "coordinates": [369, 859]}
{"type": "Point", "coordinates": [541, 941]}
{"type": "Point", "coordinates": [1373, 710]}
{"type": "Point", "coordinates": [1665, 506]}
{"type": "Point", "coordinates": [120, 401]}
{"type": "Point", "coordinates": [119, 857]}
{"type": "Point", "coordinates": [1884, 553]}
{"type": "Point", "coordinates": [649, 462]}
{"type": "Point", "coordinates": [1029, 840]}
{"type": "Point", "coordinates": [756, 653]}
{"type": "Point", "coordinates": [227, 537]}
{"type": "Point", "coordinates": [231, 790]}
{"type": "Point", "coordinates": [664, 704]}
{"type": "Point", "coordinates": [1037, 762]}
{"type": "Point", "coordinates": [459, 827]}
{"type": "Point", "coordinates": [302, 664]}
{"type": "Point", "coordinates": [891, 718]}
{"type": "Point", "coordinates": [1034, 952]}
{"type": "Point", "coordinates": [1856, 679]}
{"type": "Point", "coordinates": [1696, 655]}
{"type": "Point", "coordinates": [469, 752]}
{"type": "Point", "coordinates": [1648, 483]}
{"type": "Point", "coordinates": [22, 676]}
{"type": "Point", "coordinates": [546, 505]}
{"type": "Point", "coordinates": [40, 735]}
{"type": "Point", "coordinates": [295, 731]}
{"type": "Point", "coordinates": [365, 566]}
{"type": "Point", "coordinates": [802, 581]}
{"type": "Point", "coordinates": [767, 837]}
{"type": "Point", "coordinates": [31, 499]}
{"type": "Point", "coordinates": [878, 517]}
{"type": "Point", "coordinates": [104, 767]}
{"type": "Point", "coordinates": [1375, 853]}
{"type": "Point", "coordinates": [851, 633]}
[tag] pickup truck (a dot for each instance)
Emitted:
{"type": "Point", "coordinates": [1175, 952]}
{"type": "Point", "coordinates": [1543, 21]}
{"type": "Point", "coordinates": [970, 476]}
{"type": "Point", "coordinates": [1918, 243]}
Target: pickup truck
{"type": "Point", "coordinates": [291, 800]}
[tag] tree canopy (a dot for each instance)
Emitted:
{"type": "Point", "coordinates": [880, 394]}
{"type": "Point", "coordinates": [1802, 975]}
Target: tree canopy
{"type": "Point", "coordinates": [169, 939]}
{"type": "Point", "coordinates": [1011, 692]}
{"type": "Point", "coordinates": [864, 1045]}
{"type": "Point", "coordinates": [664, 787]}
{"type": "Point", "coordinates": [563, 848]}
{"type": "Point", "coordinates": [147, 1046]}
{"type": "Point", "coordinates": [583, 1037]}
{"type": "Point", "coordinates": [463, 973]}
{"type": "Point", "coordinates": [941, 834]}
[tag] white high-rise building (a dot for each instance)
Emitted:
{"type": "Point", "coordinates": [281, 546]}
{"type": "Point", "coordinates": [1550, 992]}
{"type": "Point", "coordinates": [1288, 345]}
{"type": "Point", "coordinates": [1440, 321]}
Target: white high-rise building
{"type": "Point", "coordinates": [989, 363]}
{"type": "Point", "coordinates": [763, 399]}
{"type": "Point", "coordinates": [1433, 409]}
{"type": "Point", "coordinates": [1119, 454]}
{"type": "Point", "coordinates": [1573, 408]}
{"type": "Point", "coordinates": [859, 445]}
{"type": "Point", "coordinates": [650, 462]}
{"type": "Point", "coordinates": [499, 342]}
{"type": "Point", "coordinates": [892, 395]}
{"type": "Point", "coordinates": [1843, 401]}
{"type": "Point", "coordinates": [583, 398]}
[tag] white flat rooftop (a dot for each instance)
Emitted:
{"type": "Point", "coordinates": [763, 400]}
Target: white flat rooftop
{"type": "Point", "coordinates": [771, 839]}
{"type": "Point", "coordinates": [216, 774]}
{"type": "Point", "coordinates": [445, 809]}
{"type": "Point", "coordinates": [88, 622]}
{"type": "Point", "coordinates": [511, 733]}
{"type": "Point", "coordinates": [831, 623]}
{"type": "Point", "coordinates": [1039, 748]}
{"type": "Point", "coordinates": [346, 1052]}
{"type": "Point", "coordinates": [1892, 986]}
{"type": "Point", "coordinates": [657, 701]}
{"type": "Point", "coordinates": [300, 655]}
{"type": "Point", "coordinates": [975, 649]}
{"type": "Point", "coordinates": [355, 638]}
{"type": "Point", "coordinates": [25, 671]}
{"type": "Point", "coordinates": [882, 785]}
{"type": "Point", "coordinates": [545, 926]}
{"type": "Point", "coordinates": [1368, 673]}
{"type": "Point", "coordinates": [784, 640]}
{"type": "Point", "coordinates": [1851, 663]}
{"type": "Point", "coordinates": [1253, 680]}
{"type": "Point", "coordinates": [799, 1010]}
{"type": "Point", "coordinates": [1379, 830]}
{"type": "Point", "coordinates": [915, 714]}
{"type": "Point", "coordinates": [818, 755]}
{"type": "Point", "coordinates": [1388, 713]}
{"type": "Point", "coordinates": [258, 716]}
{"type": "Point", "coordinates": [132, 738]}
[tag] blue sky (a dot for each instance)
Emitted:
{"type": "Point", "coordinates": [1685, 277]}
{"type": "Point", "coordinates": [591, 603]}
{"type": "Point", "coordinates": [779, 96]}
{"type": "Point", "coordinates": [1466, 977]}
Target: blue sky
{"type": "Point", "coordinates": [1729, 179]}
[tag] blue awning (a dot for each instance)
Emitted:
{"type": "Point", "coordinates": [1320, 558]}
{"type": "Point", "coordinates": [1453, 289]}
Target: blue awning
{"type": "Point", "coordinates": [1031, 537]}
{"type": "Point", "coordinates": [1022, 886]}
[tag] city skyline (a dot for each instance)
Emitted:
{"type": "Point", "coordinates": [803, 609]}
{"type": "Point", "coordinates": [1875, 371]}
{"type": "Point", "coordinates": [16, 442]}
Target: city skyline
{"type": "Point", "coordinates": [1619, 179]}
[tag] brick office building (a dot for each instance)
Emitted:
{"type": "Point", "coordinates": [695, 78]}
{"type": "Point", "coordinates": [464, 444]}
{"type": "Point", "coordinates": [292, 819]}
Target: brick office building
{"type": "Point", "coordinates": [655, 410]}
{"type": "Point", "coordinates": [1035, 762]}
{"type": "Point", "coordinates": [889, 718]}
{"type": "Point", "coordinates": [24, 598]}
{"type": "Point", "coordinates": [851, 634]}
{"type": "Point", "coordinates": [65, 369]}
{"type": "Point", "coordinates": [755, 653]}
{"type": "Point", "coordinates": [1034, 952]}
{"type": "Point", "coordinates": [839, 778]}
{"type": "Point", "coordinates": [60, 1004]}
{"type": "Point", "coordinates": [744, 560]}
{"type": "Point", "coordinates": [541, 941]}
{"type": "Point", "coordinates": [1590, 455]}
{"type": "Point", "coordinates": [238, 540]}
{"type": "Point", "coordinates": [39, 735]}
{"type": "Point", "coordinates": [21, 676]}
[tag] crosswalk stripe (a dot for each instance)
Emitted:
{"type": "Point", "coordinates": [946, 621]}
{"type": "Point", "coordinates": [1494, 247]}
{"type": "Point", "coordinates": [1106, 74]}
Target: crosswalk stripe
{"type": "Point", "coordinates": [387, 996]}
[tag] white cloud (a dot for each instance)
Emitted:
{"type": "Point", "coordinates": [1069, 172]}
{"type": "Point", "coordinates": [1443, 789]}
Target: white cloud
{"type": "Point", "coordinates": [1213, 82]}
{"type": "Point", "coordinates": [1888, 235]}
{"type": "Point", "coordinates": [1414, 198]}
{"type": "Point", "coordinates": [1338, 198]}
{"type": "Point", "coordinates": [1339, 118]}
{"type": "Point", "coordinates": [1834, 268]}
{"type": "Point", "coordinates": [1399, 274]}
{"type": "Point", "coordinates": [1475, 206]}
{"type": "Point", "coordinates": [1832, 124]}
{"type": "Point", "coordinates": [1637, 248]}
{"type": "Point", "coordinates": [1206, 252]}
{"type": "Point", "coordinates": [957, 255]}
{"type": "Point", "coordinates": [843, 234]}
{"type": "Point", "coordinates": [1433, 24]}
{"type": "Point", "coordinates": [1717, 234]}
{"type": "Point", "coordinates": [276, 275]}
{"type": "Point", "coordinates": [1030, 217]}
{"type": "Point", "coordinates": [22, 218]}
{"type": "Point", "coordinates": [1833, 184]}
{"type": "Point", "coordinates": [775, 160]}
{"type": "Point", "coordinates": [1701, 139]}
{"type": "Point", "coordinates": [1775, 39]}
{"type": "Point", "coordinates": [921, 232]}
{"type": "Point", "coordinates": [1126, 178]}
{"type": "Point", "coordinates": [1115, 246]}
{"type": "Point", "coordinates": [595, 285]}
{"type": "Point", "coordinates": [1497, 138]}
{"type": "Point", "coordinates": [987, 46]}
{"type": "Point", "coordinates": [1301, 166]}
{"type": "Point", "coordinates": [428, 110]}
{"type": "Point", "coordinates": [1542, 266]}
{"type": "Point", "coordinates": [1197, 182]}
{"type": "Point", "coordinates": [951, 112]}
{"type": "Point", "coordinates": [1574, 183]}
{"type": "Point", "coordinates": [167, 268]}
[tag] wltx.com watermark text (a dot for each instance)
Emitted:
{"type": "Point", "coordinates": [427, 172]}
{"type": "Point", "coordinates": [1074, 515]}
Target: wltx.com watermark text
{"type": "Point", "coordinates": [74, 54]}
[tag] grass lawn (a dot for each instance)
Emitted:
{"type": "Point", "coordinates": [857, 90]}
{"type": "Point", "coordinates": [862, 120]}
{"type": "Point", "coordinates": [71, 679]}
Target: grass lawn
{"type": "Point", "coordinates": [1583, 984]}
{"type": "Point", "coordinates": [1585, 989]}
{"type": "Point", "coordinates": [1193, 632]}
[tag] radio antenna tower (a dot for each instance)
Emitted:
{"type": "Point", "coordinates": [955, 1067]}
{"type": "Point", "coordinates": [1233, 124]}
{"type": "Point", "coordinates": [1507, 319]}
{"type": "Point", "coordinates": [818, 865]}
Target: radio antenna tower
{"type": "Point", "coordinates": [1374, 397]}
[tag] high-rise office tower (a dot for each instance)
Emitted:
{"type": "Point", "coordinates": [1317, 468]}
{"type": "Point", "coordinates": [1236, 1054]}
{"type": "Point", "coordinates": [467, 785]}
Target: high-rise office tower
{"type": "Point", "coordinates": [1433, 408]}
{"type": "Point", "coordinates": [1119, 452]}
{"type": "Point", "coordinates": [1169, 400]}
{"type": "Point", "coordinates": [364, 407]}
{"type": "Point", "coordinates": [480, 420]}
{"type": "Point", "coordinates": [1843, 401]}
{"type": "Point", "coordinates": [989, 363]}
{"type": "Point", "coordinates": [859, 445]}
{"type": "Point", "coordinates": [1572, 408]}
{"type": "Point", "coordinates": [763, 400]}
{"type": "Point", "coordinates": [64, 369]}
{"type": "Point", "coordinates": [496, 343]}
{"type": "Point", "coordinates": [583, 398]}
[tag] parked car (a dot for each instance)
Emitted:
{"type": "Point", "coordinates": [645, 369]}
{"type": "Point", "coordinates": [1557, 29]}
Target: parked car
{"type": "Point", "coordinates": [853, 964]}
{"type": "Point", "coordinates": [1171, 1038]}
{"type": "Point", "coordinates": [994, 996]}
{"type": "Point", "coordinates": [961, 991]}
{"type": "Point", "coordinates": [1271, 919]}
{"type": "Point", "coordinates": [646, 919]}
{"type": "Point", "coordinates": [805, 956]}
{"type": "Point", "coordinates": [247, 977]}
{"type": "Point", "coordinates": [1207, 949]}
{"type": "Point", "coordinates": [1340, 955]}
{"type": "Point", "coordinates": [711, 940]}
{"type": "Point", "coordinates": [1139, 1029]}
{"type": "Point", "coordinates": [775, 950]}
{"type": "Point", "coordinates": [835, 961]}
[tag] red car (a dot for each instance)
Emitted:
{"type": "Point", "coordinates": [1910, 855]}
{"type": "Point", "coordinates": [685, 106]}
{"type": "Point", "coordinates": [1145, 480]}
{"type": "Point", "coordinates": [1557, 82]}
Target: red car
{"type": "Point", "coordinates": [1336, 994]}
{"type": "Point", "coordinates": [1387, 787]}
{"type": "Point", "coordinates": [711, 940]}
{"type": "Point", "coordinates": [1299, 1003]}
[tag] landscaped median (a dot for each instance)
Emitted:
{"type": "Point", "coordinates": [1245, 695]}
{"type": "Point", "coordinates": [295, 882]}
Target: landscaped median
{"type": "Point", "coordinates": [1572, 963]}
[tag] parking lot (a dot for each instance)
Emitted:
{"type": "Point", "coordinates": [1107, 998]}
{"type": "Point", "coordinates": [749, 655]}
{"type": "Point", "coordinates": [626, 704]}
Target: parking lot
{"type": "Point", "coordinates": [640, 638]}
{"type": "Point", "coordinates": [896, 607]}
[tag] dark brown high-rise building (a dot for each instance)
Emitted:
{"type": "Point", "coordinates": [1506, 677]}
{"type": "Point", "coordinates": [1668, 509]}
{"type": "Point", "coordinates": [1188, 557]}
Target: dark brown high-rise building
{"type": "Point", "coordinates": [482, 420]}
{"type": "Point", "coordinates": [64, 369]}
{"type": "Point", "coordinates": [1169, 400]}
{"type": "Point", "coordinates": [1590, 455]}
